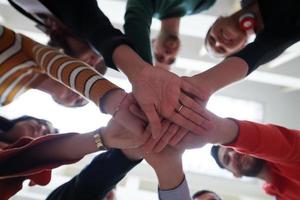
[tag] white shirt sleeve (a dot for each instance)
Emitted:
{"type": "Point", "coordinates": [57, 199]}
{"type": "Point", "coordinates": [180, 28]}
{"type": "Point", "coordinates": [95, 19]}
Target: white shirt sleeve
{"type": "Point", "coordinates": [181, 192]}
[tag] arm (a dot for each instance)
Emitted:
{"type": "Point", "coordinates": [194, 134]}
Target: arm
{"type": "Point", "coordinates": [267, 46]}
{"type": "Point", "coordinates": [81, 78]}
{"type": "Point", "coordinates": [157, 92]}
{"type": "Point", "coordinates": [269, 142]}
{"type": "Point", "coordinates": [55, 150]}
{"type": "Point", "coordinates": [138, 19]}
{"type": "Point", "coordinates": [87, 21]}
{"type": "Point", "coordinates": [96, 179]}
{"type": "Point", "coordinates": [168, 168]}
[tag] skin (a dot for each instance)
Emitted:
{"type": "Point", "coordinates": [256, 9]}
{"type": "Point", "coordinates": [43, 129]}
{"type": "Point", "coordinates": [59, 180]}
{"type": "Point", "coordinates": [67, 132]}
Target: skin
{"type": "Point", "coordinates": [79, 49]}
{"type": "Point", "coordinates": [225, 36]}
{"type": "Point", "coordinates": [207, 196]}
{"type": "Point", "coordinates": [168, 167]}
{"type": "Point", "coordinates": [74, 147]}
{"type": "Point", "coordinates": [28, 128]}
{"type": "Point", "coordinates": [60, 93]}
{"type": "Point", "coordinates": [166, 45]}
{"type": "Point", "coordinates": [236, 162]}
{"type": "Point", "coordinates": [158, 93]}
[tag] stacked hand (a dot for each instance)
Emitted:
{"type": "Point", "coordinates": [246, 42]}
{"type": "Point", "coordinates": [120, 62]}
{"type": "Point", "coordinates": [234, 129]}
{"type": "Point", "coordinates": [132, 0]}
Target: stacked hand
{"type": "Point", "coordinates": [160, 93]}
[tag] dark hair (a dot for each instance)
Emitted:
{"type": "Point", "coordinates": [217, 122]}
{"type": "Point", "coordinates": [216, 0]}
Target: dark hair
{"type": "Point", "coordinates": [59, 41]}
{"type": "Point", "coordinates": [202, 192]}
{"type": "Point", "coordinates": [214, 152]}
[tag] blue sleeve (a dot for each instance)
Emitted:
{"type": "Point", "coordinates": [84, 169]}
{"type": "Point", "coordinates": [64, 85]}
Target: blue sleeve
{"type": "Point", "coordinates": [96, 179]}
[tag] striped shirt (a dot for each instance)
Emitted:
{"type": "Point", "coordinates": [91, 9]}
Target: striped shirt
{"type": "Point", "coordinates": [23, 61]}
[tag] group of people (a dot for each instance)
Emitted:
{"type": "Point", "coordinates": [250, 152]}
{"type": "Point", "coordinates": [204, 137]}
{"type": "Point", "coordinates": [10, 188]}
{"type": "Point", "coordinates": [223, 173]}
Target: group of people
{"type": "Point", "coordinates": [162, 116]}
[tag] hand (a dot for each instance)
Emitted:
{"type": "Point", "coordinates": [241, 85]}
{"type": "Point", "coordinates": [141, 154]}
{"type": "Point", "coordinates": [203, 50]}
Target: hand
{"type": "Point", "coordinates": [117, 103]}
{"type": "Point", "coordinates": [200, 82]}
{"type": "Point", "coordinates": [159, 92]}
{"type": "Point", "coordinates": [173, 135]}
{"type": "Point", "coordinates": [116, 136]}
{"type": "Point", "coordinates": [223, 131]}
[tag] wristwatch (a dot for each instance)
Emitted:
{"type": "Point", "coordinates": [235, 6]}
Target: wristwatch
{"type": "Point", "coordinates": [98, 140]}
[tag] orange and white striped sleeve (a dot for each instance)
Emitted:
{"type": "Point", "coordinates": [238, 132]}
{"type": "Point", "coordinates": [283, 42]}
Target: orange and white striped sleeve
{"type": "Point", "coordinates": [73, 73]}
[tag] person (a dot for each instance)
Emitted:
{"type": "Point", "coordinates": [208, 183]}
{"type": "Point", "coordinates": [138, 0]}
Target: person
{"type": "Point", "coordinates": [138, 18]}
{"type": "Point", "coordinates": [21, 161]}
{"type": "Point", "coordinates": [25, 126]}
{"type": "Point", "coordinates": [274, 32]}
{"type": "Point", "coordinates": [59, 35]}
{"type": "Point", "coordinates": [22, 66]}
{"type": "Point", "coordinates": [265, 151]}
{"type": "Point", "coordinates": [205, 195]}
{"type": "Point", "coordinates": [149, 84]}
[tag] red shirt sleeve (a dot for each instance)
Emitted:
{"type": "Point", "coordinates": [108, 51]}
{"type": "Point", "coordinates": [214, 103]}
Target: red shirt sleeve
{"type": "Point", "coordinates": [269, 142]}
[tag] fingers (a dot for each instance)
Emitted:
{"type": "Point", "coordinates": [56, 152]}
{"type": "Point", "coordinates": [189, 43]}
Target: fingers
{"type": "Point", "coordinates": [135, 110]}
{"type": "Point", "coordinates": [201, 126]}
{"type": "Point", "coordinates": [188, 88]}
{"type": "Point", "coordinates": [165, 139]}
{"type": "Point", "coordinates": [150, 144]}
{"type": "Point", "coordinates": [130, 121]}
{"type": "Point", "coordinates": [153, 119]}
{"type": "Point", "coordinates": [178, 137]}
{"type": "Point", "coordinates": [190, 103]}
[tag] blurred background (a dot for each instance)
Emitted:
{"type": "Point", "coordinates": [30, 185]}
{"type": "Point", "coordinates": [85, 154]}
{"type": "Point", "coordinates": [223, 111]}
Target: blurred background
{"type": "Point", "coordinates": [269, 95]}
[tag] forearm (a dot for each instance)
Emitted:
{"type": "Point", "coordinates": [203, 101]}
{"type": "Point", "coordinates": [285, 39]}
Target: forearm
{"type": "Point", "coordinates": [71, 72]}
{"type": "Point", "coordinates": [138, 19]}
{"type": "Point", "coordinates": [46, 152]}
{"type": "Point", "coordinates": [129, 62]}
{"type": "Point", "coordinates": [228, 71]}
{"type": "Point", "coordinates": [169, 175]}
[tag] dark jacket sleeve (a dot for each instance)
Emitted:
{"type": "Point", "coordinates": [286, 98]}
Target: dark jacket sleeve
{"type": "Point", "coordinates": [138, 19]}
{"type": "Point", "coordinates": [98, 178]}
{"type": "Point", "coordinates": [5, 124]}
{"type": "Point", "coordinates": [87, 21]}
{"type": "Point", "coordinates": [266, 47]}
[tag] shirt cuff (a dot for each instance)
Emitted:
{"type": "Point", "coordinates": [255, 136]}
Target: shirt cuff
{"type": "Point", "coordinates": [181, 192]}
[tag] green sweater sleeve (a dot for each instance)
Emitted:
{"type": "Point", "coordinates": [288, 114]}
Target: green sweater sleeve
{"type": "Point", "coordinates": [138, 18]}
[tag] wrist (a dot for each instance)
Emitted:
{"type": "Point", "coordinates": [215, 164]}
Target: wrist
{"type": "Point", "coordinates": [170, 178]}
{"type": "Point", "coordinates": [129, 62]}
{"type": "Point", "coordinates": [111, 100]}
{"type": "Point", "coordinates": [169, 175]}
{"type": "Point", "coordinates": [228, 130]}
